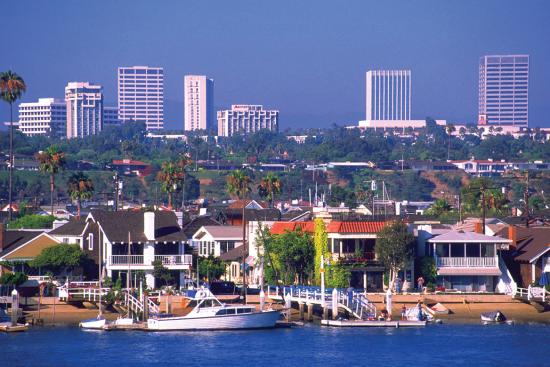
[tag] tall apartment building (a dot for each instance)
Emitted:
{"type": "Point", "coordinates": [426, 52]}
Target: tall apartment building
{"type": "Point", "coordinates": [504, 90]}
{"type": "Point", "coordinates": [199, 103]}
{"type": "Point", "coordinates": [110, 116]}
{"type": "Point", "coordinates": [141, 95]}
{"type": "Point", "coordinates": [48, 116]}
{"type": "Point", "coordinates": [84, 109]}
{"type": "Point", "coordinates": [246, 119]}
{"type": "Point", "coordinates": [388, 95]}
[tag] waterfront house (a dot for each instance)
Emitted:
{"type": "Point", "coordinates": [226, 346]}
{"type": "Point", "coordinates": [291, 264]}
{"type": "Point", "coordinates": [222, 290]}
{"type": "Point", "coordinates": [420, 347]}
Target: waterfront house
{"type": "Point", "coordinates": [23, 245]}
{"type": "Point", "coordinates": [216, 240]}
{"type": "Point", "coordinates": [71, 232]}
{"type": "Point", "coordinates": [350, 243]}
{"type": "Point", "coordinates": [469, 261]}
{"type": "Point", "coordinates": [529, 254]}
{"type": "Point", "coordinates": [132, 241]}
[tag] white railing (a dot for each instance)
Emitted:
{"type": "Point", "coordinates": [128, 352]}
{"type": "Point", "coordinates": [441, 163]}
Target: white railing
{"type": "Point", "coordinates": [166, 260]}
{"type": "Point", "coordinates": [464, 262]}
{"type": "Point", "coordinates": [175, 259]}
{"type": "Point", "coordinates": [126, 260]}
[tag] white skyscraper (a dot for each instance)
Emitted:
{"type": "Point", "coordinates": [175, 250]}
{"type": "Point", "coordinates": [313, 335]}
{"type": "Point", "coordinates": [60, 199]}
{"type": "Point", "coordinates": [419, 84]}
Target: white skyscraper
{"type": "Point", "coordinates": [504, 90]}
{"type": "Point", "coordinates": [199, 103]}
{"type": "Point", "coordinates": [246, 119]}
{"type": "Point", "coordinates": [84, 109]}
{"type": "Point", "coordinates": [48, 116]}
{"type": "Point", "coordinates": [141, 95]}
{"type": "Point", "coordinates": [388, 95]}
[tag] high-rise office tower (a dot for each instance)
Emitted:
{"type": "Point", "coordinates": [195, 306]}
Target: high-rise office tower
{"type": "Point", "coordinates": [84, 109]}
{"type": "Point", "coordinates": [388, 95]}
{"type": "Point", "coordinates": [141, 95]}
{"type": "Point", "coordinates": [199, 103]}
{"type": "Point", "coordinates": [246, 119]}
{"type": "Point", "coordinates": [504, 90]}
{"type": "Point", "coordinates": [48, 116]}
{"type": "Point", "coordinates": [110, 116]}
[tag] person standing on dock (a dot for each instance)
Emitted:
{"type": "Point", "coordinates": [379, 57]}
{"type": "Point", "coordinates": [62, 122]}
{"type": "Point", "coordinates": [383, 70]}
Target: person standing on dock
{"type": "Point", "coordinates": [420, 283]}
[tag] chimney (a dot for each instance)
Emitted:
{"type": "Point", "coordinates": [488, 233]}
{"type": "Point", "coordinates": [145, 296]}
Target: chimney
{"type": "Point", "coordinates": [478, 227]}
{"type": "Point", "coordinates": [179, 216]}
{"type": "Point", "coordinates": [2, 236]}
{"type": "Point", "coordinates": [149, 225]}
{"type": "Point", "coordinates": [512, 234]}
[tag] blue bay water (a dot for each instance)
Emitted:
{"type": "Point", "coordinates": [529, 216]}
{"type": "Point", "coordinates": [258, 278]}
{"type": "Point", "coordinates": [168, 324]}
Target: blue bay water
{"type": "Point", "coordinates": [311, 345]}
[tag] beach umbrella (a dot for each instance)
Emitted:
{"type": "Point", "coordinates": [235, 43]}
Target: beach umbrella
{"type": "Point", "coordinates": [543, 279]}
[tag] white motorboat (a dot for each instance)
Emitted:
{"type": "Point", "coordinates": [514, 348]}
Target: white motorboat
{"type": "Point", "coordinates": [96, 323]}
{"type": "Point", "coordinates": [208, 313]}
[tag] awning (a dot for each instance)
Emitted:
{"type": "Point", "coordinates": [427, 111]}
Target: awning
{"type": "Point", "coordinates": [469, 271]}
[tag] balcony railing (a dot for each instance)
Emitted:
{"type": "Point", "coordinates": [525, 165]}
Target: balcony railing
{"type": "Point", "coordinates": [175, 259]}
{"type": "Point", "coordinates": [166, 260]}
{"type": "Point", "coordinates": [459, 262]}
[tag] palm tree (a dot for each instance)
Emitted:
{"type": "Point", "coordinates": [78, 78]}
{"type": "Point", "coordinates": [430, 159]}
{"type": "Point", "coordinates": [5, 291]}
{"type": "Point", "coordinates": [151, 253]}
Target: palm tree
{"type": "Point", "coordinates": [269, 187]}
{"type": "Point", "coordinates": [182, 164]}
{"type": "Point", "coordinates": [51, 161]}
{"type": "Point", "coordinates": [450, 129]}
{"type": "Point", "coordinates": [12, 87]}
{"type": "Point", "coordinates": [238, 184]}
{"type": "Point", "coordinates": [79, 187]}
{"type": "Point", "coordinates": [169, 177]}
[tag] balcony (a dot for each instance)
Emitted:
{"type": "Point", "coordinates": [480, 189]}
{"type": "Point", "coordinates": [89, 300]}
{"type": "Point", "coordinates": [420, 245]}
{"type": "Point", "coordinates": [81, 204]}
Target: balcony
{"type": "Point", "coordinates": [467, 262]}
{"type": "Point", "coordinates": [143, 262]}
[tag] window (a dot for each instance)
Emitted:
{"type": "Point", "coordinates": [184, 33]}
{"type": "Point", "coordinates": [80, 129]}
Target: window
{"type": "Point", "coordinates": [442, 250]}
{"type": "Point", "coordinates": [90, 241]}
{"type": "Point", "coordinates": [457, 250]}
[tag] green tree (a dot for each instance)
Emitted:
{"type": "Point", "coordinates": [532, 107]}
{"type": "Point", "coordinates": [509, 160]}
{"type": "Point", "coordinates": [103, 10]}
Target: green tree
{"type": "Point", "coordinates": [394, 247]}
{"type": "Point", "coordinates": [169, 177]}
{"type": "Point", "coordinates": [238, 184]}
{"type": "Point", "coordinates": [162, 273]}
{"type": "Point", "coordinates": [449, 129]}
{"type": "Point", "coordinates": [320, 242]}
{"type": "Point", "coordinates": [211, 268]}
{"type": "Point", "coordinates": [15, 279]}
{"type": "Point", "coordinates": [12, 87]}
{"type": "Point", "coordinates": [289, 257]}
{"type": "Point", "coordinates": [51, 161]}
{"type": "Point", "coordinates": [183, 162]}
{"type": "Point", "coordinates": [80, 187]}
{"type": "Point", "coordinates": [439, 207]}
{"type": "Point", "coordinates": [32, 221]}
{"type": "Point", "coordinates": [60, 257]}
{"type": "Point", "coordinates": [337, 276]}
{"type": "Point", "coordinates": [428, 269]}
{"type": "Point", "coordinates": [269, 187]}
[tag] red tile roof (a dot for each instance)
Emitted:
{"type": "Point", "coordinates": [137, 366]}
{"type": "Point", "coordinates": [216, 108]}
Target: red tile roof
{"type": "Point", "coordinates": [355, 227]}
{"type": "Point", "coordinates": [282, 227]}
{"type": "Point", "coordinates": [238, 204]}
{"type": "Point", "coordinates": [333, 227]}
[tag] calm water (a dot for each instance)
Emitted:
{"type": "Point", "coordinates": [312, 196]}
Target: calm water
{"type": "Point", "coordinates": [437, 345]}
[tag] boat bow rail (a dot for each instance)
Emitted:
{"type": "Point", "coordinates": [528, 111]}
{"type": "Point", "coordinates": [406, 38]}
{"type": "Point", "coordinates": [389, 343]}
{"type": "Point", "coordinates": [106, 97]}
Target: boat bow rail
{"type": "Point", "coordinates": [357, 305]}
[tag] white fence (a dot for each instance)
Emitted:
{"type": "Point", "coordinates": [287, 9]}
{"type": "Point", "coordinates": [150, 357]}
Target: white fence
{"type": "Point", "coordinates": [166, 260]}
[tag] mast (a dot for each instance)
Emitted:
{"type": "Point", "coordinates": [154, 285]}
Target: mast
{"type": "Point", "coordinates": [244, 254]}
{"type": "Point", "coordinates": [128, 280]}
{"type": "Point", "coordinates": [100, 259]}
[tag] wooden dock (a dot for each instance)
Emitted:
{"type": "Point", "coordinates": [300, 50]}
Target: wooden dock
{"type": "Point", "coordinates": [364, 323]}
{"type": "Point", "coordinates": [137, 326]}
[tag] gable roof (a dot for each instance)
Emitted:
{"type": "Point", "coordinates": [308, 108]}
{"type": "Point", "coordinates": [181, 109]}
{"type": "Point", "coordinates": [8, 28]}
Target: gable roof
{"type": "Point", "coordinates": [72, 228]}
{"type": "Point", "coordinates": [230, 232]}
{"type": "Point", "coordinates": [462, 237]}
{"type": "Point", "coordinates": [191, 227]}
{"type": "Point", "coordinates": [15, 239]}
{"type": "Point", "coordinates": [355, 227]}
{"type": "Point", "coordinates": [233, 254]}
{"type": "Point", "coordinates": [117, 225]}
{"type": "Point", "coordinates": [248, 204]}
{"type": "Point", "coordinates": [531, 243]}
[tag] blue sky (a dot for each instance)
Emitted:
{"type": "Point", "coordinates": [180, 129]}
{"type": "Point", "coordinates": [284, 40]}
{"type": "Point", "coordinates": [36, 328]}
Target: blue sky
{"type": "Point", "coordinates": [306, 58]}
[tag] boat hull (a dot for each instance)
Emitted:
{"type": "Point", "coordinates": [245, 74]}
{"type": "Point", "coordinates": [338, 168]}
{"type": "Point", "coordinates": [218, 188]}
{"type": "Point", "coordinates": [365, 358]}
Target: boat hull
{"type": "Point", "coordinates": [256, 320]}
{"type": "Point", "coordinates": [93, 324]}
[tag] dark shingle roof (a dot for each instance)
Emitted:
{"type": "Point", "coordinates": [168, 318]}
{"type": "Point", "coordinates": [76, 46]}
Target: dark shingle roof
{"type": "Point", "coordinates": [71, 228]}
{"type": "Point", "coordinates": [191, 227]}
{"type": "Point", "coordinates": [531, 242]}
{"type": "Point", "coordinates": [116, 226]}
{"type": "Point", "coordinates": [233, 254]}
{"type": "Point", "coordinates": [16, 238]}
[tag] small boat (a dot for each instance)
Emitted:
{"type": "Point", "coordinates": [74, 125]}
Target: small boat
{"type": "Point", "coordinates": [96, 323]}
{"type": "Point", "coordinates": [208, 313]}
{"type": "Point", "coordinates": [438, 309]}
{"type": "Point", "coordinates": [413, 314]}
{"type": "Point", "coordinates": [9, 328]}
{"type": "Point", "coordinates": [495, 316]}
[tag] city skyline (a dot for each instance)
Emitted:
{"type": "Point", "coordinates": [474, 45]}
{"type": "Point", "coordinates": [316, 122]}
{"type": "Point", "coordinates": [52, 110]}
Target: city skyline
{"type": "Point", "coordinates": [323, 55]}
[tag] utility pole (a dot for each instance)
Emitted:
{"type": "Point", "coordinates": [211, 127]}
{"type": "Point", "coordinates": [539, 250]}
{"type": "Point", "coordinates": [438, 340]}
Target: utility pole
{"type": "Point", "coordinates": [483, 209]}
{"type": "Point", "coordinates": [115, 178]}
{"type": "Point", "coordinates": [526, 199]}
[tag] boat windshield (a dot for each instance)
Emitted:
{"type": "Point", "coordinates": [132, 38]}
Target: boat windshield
{"type": "Point", "coordinates": [209, 303]}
